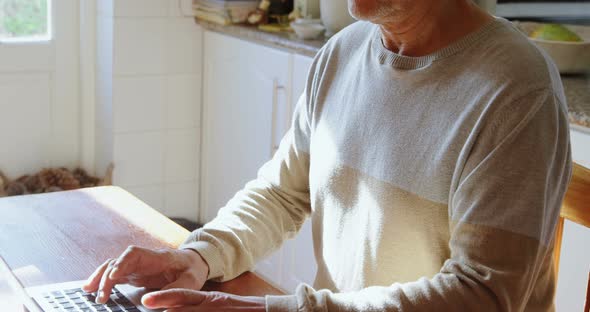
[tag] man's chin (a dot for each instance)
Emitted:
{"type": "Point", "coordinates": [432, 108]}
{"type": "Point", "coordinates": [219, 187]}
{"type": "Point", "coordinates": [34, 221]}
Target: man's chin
{"type": "Point", "coordinates": [361, 16]}
{"type": "Point", "coordinates": [357, 12]}
{"type": "Point", "coordinates": [363, 13]}
{"type": "Point", "coordinates": [378, 11]}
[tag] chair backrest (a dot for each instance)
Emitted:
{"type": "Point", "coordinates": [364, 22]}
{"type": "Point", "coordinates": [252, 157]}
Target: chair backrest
{"type": "Point", "coordinates": [576, 208]}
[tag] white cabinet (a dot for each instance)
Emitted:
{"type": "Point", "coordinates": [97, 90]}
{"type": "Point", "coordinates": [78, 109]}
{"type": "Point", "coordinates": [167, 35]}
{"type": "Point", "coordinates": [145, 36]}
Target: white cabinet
{"type": "Point", "coordinates": [245, 88]}
{"type": "Point", "coordinates": [249, 93]}
{"type": "Point", "coordinates": [573, 268]}
{"type": "Point", "coordinates": [243, 85]}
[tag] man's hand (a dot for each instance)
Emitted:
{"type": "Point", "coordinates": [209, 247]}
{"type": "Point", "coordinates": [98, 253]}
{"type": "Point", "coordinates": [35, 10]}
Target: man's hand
{"type": "Point", "coordinates": [183, 300]}
{"type": "Point", "coordinates": [162, 269]}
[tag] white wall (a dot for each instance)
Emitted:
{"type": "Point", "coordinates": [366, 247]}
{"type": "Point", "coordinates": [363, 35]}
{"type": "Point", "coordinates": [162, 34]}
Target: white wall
{"type": "Point", "coordinates": [149, 92]}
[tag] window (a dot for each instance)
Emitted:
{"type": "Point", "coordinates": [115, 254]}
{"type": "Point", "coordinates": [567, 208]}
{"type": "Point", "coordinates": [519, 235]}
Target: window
{"type": "Point", "coordinates": [556, 11]}
{"type": "Point", "coordinates": [25, 20]}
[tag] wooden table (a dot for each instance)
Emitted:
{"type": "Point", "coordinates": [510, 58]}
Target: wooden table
{"type": "Point", "coordinates": [64, 236]}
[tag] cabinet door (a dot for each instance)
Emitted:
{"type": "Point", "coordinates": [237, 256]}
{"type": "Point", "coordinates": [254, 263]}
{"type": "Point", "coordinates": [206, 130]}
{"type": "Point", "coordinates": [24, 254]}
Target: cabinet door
{"type": "Point", "coordinates": [244, 85]}
{"type": "Point", "coordinates": [573, 277]}
{"type": "Point", "coordinates": [299, 264]}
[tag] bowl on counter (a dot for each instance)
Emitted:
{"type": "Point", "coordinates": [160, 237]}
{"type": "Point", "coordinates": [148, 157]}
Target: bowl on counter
{"type": "Point", "coordinates": [570, 57]}
{"type": "Point", "coordinates": [308, 28]}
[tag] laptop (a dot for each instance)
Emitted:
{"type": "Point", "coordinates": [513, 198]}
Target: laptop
{"type": "Point", "coordinates": [69, 296]}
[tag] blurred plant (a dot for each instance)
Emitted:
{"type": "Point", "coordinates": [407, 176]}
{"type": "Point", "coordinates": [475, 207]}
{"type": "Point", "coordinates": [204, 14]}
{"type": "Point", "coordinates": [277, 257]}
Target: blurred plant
{"type": "Point", "coordinates": [23, 18]}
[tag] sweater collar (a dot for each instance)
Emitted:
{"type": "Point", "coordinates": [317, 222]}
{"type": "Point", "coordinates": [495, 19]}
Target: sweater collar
{"type": "Point", "coordinates": [403, 62]}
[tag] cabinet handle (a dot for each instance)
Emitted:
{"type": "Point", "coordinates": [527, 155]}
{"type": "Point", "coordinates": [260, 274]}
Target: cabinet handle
{"type": "Point", "coordinates": [276, 87]}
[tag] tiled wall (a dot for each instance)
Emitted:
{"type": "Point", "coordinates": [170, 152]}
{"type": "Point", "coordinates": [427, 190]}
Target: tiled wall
{"type": "Point", "coordinates": [155, 104]}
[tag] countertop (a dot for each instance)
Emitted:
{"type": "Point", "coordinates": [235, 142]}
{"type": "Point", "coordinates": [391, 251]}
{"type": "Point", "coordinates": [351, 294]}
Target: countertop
{"type": "Point", "coordinates": [577, 92]}
{"type": "Point", "coordinates": [577, 87]}
{"type": "Point", "coordinates": [282, 40]}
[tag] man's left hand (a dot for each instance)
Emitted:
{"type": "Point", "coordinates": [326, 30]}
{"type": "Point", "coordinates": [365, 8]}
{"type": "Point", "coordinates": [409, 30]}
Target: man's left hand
{"type": "Point", "coordinates": [185, 300]}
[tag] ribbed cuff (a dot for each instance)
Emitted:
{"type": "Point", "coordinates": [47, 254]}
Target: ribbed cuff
{"type": "Point", "coordinates": [281, 303]}
{"type": "Point", "coordinates": [210, 254]}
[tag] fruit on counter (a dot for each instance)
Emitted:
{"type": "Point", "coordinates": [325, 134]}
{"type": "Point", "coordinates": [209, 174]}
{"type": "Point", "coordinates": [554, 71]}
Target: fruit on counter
{"type": "Point", "coordinates": [555, 32]}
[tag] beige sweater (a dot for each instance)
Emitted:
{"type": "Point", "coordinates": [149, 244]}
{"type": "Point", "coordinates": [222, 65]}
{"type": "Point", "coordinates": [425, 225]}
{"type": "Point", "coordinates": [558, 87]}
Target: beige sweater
{"type": "Point", "coordinates": [433, 183]}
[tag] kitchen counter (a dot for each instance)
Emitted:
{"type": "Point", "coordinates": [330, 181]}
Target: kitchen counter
{"type": "Point", "coordinates": [577, 87]}
{"type": "Point", "coordinates": [281, 40]}
{"type": "Point", "coordinates": [577, 92]}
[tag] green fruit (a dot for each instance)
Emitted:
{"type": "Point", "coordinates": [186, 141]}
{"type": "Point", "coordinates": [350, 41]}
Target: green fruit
{"type": "Point", "coordinates": [555, 32]}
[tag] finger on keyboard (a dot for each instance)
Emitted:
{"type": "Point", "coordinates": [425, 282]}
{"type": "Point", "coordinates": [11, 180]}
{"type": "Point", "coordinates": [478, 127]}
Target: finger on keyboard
{"type": "Point", "coordinates": [106, 284]}
{"type": "Point", "coordinates": [93, 281]}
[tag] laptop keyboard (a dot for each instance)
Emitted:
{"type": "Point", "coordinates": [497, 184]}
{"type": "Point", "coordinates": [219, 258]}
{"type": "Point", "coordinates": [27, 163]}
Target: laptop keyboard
{"type": "Point", "coordinates": [76, 300]}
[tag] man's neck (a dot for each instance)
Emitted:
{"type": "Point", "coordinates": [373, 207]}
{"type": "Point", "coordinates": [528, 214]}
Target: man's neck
{"type": "Point", "coordinates": [423, 30]}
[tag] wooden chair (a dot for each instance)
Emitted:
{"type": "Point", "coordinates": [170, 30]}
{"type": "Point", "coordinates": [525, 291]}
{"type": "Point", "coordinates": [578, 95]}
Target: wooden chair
{"type": "Point", "coordinates": [576, 208]}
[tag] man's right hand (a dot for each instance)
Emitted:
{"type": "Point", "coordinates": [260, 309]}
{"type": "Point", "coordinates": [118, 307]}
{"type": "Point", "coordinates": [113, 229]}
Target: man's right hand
{"type": "Point", "coordinates": [161, 269]}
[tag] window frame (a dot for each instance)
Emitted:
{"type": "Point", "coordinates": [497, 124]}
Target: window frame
{"type": "Point", "coordinates": [43, 39]}
{"type": "Point", "coordinates": [556, 11]}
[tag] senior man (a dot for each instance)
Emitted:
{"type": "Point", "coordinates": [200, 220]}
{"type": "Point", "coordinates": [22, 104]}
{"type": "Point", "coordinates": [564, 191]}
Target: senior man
{"type": "Point", "coordinates": [430, 149]}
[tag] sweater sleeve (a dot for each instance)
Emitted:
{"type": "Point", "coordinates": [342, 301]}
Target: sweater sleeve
{"type": "Point", "coordinates": [264, 213]}
{"type": "Point", "coordinates": [503, 210]}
